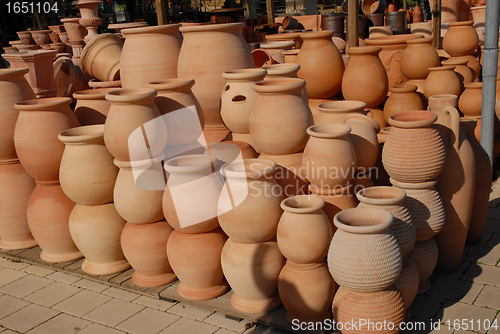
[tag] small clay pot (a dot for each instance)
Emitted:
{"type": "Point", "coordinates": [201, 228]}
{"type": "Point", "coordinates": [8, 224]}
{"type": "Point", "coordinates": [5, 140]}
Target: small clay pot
{"type": "Point", "coordinates": [41, 37]}
{"type": "Point", "coordinates": [442, 80]}
{"type": "Point", "coordinates": [403, 98]}
{"type": "Point", "coordinates": [461, 39]}
{"type": "Point", "coordinates": [418, 56]}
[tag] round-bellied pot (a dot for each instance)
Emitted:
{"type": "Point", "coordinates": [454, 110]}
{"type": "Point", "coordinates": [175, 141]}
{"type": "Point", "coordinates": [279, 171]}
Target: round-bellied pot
{"type": "Point", "coordinates": [425, 256]}
{"type": "Point", "coordinates": [470, 102]}
{"type": "Point", "coordinates": [364, 140]}
{"type": "Point", "coordinates": [336, 111]}
{"type": "Point", "coordinates": [100, 58]}
{"type": "Point", "coordinates": [461, 39]}
{"type": "Point", "coordinates": [91, 106]}
{"type": "Point", "coordinates": [402, 98]}
{"type": "Point", "coordinates": [442, 80]}
{"type": "Point", "coordinates": [418, 56]}
{"type": "Point", "coordinates": [284, 71]}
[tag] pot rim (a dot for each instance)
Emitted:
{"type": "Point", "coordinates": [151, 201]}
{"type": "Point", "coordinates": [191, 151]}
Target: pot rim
{"type": "Point", "coordinates": [12, 72]}
{"type": "Point", "coordinates": [95, 84]}
{"type": "Point", "coordinates": [328, 130]}
{"type": "Point", "coordinates": [364, 50]}
{"type": "Point", "coordinates": [414, 186]}
{"type": "Point", "coordinates": [281, 69]}
{"type": "Point", "coordinates": [405, 119]}
{"type": "Point", "coordinates": [150, 29]}
{"type": "Point", "coordinates": [70, 20]}
{"type": "Point", "coordinates": [422, 40]}
{"type": "Point", "coordinates": [205, 162]}
{"type": "Point", "coordinates": [454, 61]}
{"type": "Point", "coordinates": [461, 24]}
{"type": "Point", "coordinates": [279, 85]}
{"type": "Point", "coordinates": [392, 39]}
{"type": "Point", "coordinates": [245, 169]}
{"type": "Point", "coordinates": [44, 104]}
{"type": "Point", "coordinates": [381, 195]}
{"type": "Point", "coordinates": [277, 45]}
{"type": "Point", "coordinates": [92, 94]}
{"type": "Point", "coordinates": [139, 163]}
{"type": "Point", "coordinates": [341, 106]}
{"type": "Point", "coordinates": [445, 96]}
{"type": "Point", "coordinates": [442, 68]}
{"type": "Point", "coordinates": [214, 27]}
{"type": "Point", "coordinates": [176, 84]}
{"type": "Point", "coordinates": [257, 74]}
{"type": "Point", "coordinates": [404, 88]}
{"type": "Point", "coordinates": [283, 36]}
{"type": "Point", "coordinates": [364, 118]}
{"type": "Point", "coordinates": [474, 85]}
{"type": "Point", "coordinates": [363, 220]}
{"type": "Point", "coordinates": [131, 95]}
{"type": "Point", "coordinates": [82, 134]}
{"type": "Point", "coordinates": [326, 34]}
{"type": "Point", "coordinates": [287, 52]}
{"type": "Point", "coordinates": [302, 204]}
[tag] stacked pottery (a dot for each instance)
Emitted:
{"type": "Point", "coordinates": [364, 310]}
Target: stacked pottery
{"type": "Point", "coordinates": [442, 80]}
{"type": "Point", "coordinates": [40, 152]}
{"type": "Point", "coordinates": [87, 175]}
{"type": "Point", "coordinates": [366, 286]}
{"type": "Point", "coordinates": [249, 212]}
{"type": "Point", "coordinates": [304, 284]}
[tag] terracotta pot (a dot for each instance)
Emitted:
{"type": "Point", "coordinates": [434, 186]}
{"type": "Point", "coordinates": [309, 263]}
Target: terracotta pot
{"type": "Point", "coordinates": [282, 99]}
{"type": "Point", "coordinates": [289, 36]}
{"type": "Point", "coordinates": [41, 37]}
{"type": "Point", "coordinates": [262, 58]}
{"type": "Point", "coordinates": [35, 137]}
{"type": "Point", "coordinates": [423, 28]}
{"type": "Point", "coordinates": [134, 120]}
{"type": "Point", "coordinates": [16, 187]}
{"type": "Point", "coordinates": [252, 270]}
{"type": "Point", "coordinates": [74, 29]}
{"type": "Point", "coordinates": [424, 255]}
{"type": "Point", "coordinates": [26, 38]}
{"type": "Point", "coordinates": [418, 56]}
{"type": "Point", "coordinates": [139, 189]}
{"type": "Point", "coordinates": [276, 49]}
{"type": "Point", "coordinates": [463, 71]}
{"type": "Point", "coordinates": [365, 78]}
{"type": "Point", "coordinates": [403, 158]}
{"type": "Point", "coordinates": [380, 31]}
{"type": "Point", "coordinates": [461, 39]}
{"type": "Point", "coordinates": [403, 98]}
{"type": "Point", "coordinates": [304, 232]}
{"type": "Point", "coordinates": [396, 20]}
{"type": "Point", "coordinates": [48, 213]}
{"type": "Point", "coordinates": [94, 84]}
{"type": "Point", "coordinates": [91, 106]}
{"type": "Point", "coordinates": [206, 53]}
{"type": "Point", "coordinates": [321, 64]}
{"type": "Point", "coordinates": [336, 200]}
{"type": "Point", "coordinates": [229, 151]}
{"type": "Point", "coordinates": [470, 101]}
{"type": "Point", "coordinates": [290, 56]}
{"type": "Point", "coordinates": [363, 233]}
{"type": "Point", "coordinates": [90, 17]}
{"type": "Point", "coordinates": [100, 58]}
{"type": "Point", "coordinates": [373, 6]}
{"type": "Point", "coordinates": [145, 247]}
{"type": "Point", "coordinates": [417, 14]}
{"type": "Point", "coordinates": [196, 260]}
{"type": "Point", "coordinates": [363, 137]}
{"type": "Point", "coordinates": [306, 291]}
{"type": "Point", "coordinates": [336, 111]}
{"type": "Point", "coordinates": [442, 80]}
{"type": "Point", "coordinates": [87, 173]}
{"type": "Point", "coordinates": [408, 282]}
{"type": "Point", "coordinates": [473, 64]}
{"type": "Point", "coordinates": [284, 71]}
{"type": "Point", "coordinates": [63, 36]}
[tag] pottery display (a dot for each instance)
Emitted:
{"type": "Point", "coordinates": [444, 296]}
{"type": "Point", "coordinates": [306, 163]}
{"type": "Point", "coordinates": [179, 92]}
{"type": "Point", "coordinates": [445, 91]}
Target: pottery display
{"type": "Point", "coordinates": [91, 106]}
{"type": "Point", "coordinates": [425, 256]}
{"type": "Point", "coordinates": [442, 80]}
{"type": "Point", "coordinates": [461, 39]}
{"type": "Point", "coordinates": [336, 200]}
{"type": "Point", "coordinates": [100, 58]}
{"type": "Point", "coordinates": [402, 98]}
{"type": "Point", "coordinates": [336, 111]}
{"type": "Point", "coordinates": [74, 29]}
{"type": "Point", "coordinates": [363, 137]}
{"type": "Point", "coordinates": [418, 56]}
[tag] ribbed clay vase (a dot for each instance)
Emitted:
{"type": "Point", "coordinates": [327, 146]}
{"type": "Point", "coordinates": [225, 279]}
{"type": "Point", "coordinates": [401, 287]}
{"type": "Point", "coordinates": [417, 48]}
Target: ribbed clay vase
{"type": "Point", "coordinates": [461, 39]}
{"type": "Point", "coordinates": [145, 247]}
{"type": "Point", "coordinates": [425, 256]}
{"type": "Point", "coordinates": [207, 52]}
{"type": "Point", "coordinates": [336, 200]}
{"type": "Point", "coordinates": [418, 56]}
{"type": "Point", "coordinates": [402, 98]}
{"type": "Point", "coordinates": [365, 78]}
{"type": "Point", "coordinates": [280, 116]}
{"type": "Point", "coordinates": [158, 46]}
{"type": "Point", "coordinates": [134, 129]}
{"type": "Point", "coordinates": [35, 137]}
{"type": "Point", "coordinates": [304, 231]}
{"type": "Point", "coordinates": [249, 205]}
{"type": "Point", "coordinates": [442, 80]}
{"type": "Point", "coordinates": [336, 111]}
{"type": "Point", "coordinates": [321, 64]}
{"type": "Point", "coordinates": [363, 137]}
{"type": "Point", "coordinates": [403, 156]}
{"type": "Point", "coordinates": [364, 255]}
{"type": "Point", "coordinates": [408, 282]}
{"type": "Point", "coordinates": [91, 106]}
{"type": "Point", "coordinates": [252, 271]}
{"type": "Point", "coordinates": [470, 104]}
{"type": "Point", "coordinates": [329, 170]}
{"type": "Point", "coordinates": [100, 58]}
{"type": "Point", "coordinates": [196, 260]}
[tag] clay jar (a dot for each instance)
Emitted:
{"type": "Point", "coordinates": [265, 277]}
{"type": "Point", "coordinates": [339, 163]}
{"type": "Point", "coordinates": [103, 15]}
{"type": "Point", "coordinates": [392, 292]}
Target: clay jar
{"type": "Point", "coordinates": [336, 111]}
{"type": "Point", "coordinates": [238, 98]}
{"type": "Point", "coordinates": [304, 232]}
{"type": "Point", "coordinates": [158, 46]}
{"type": "Point", "coordinates": [470, 100]}
{"type": "Point", "coordinates": [461, 39]}
{"type": "Point", "coordinates": [91, 106]}
{"type": "Point", "coordinates": [403, 98]}
{"type": "Point", "coordinates": [365, 78]}
{"type": "Point", "coordinates": [418, 56]}
{"type": "Point", "coordinates": [325, 170]}
{"type": "Point", "coordinates": [321, 64]}
{"type": "Point", "coordinates": [248, 207]}
{"type": "Point", "coordinates": [363, 137]}
{"type": "Point", "coordinates": [196, 260]}
{"type": "Point", "coordinates": [87, 173]}
{"type": "Point", "coordinates": [145, 247]}
{"type": "Point", "coordinates": [134, 120]}
{"type": "Point", "coordinates": [13, 88]}
{"type": "Point", "coordinates": [364, 255]}
{"type": "Point", "coordinates": [442, 80]}
{"type": "Point", "coordinates": [280, 117]}
{"type": "Point", "coordinates": [463, 71]}
{"type": "Point", "coordinates": [336, 200]}
{"type": "Point", "coordinates": [35, 137]}
{"type": "Point", "coordinates": [100, 58]}
{"type": "Point", "coordinates": [252, 270]}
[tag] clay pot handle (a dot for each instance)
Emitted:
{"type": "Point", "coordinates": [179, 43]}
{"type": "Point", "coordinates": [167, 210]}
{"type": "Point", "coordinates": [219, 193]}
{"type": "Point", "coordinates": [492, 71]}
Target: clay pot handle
{"type": "Point", "coordinates": [455, 125]}
{"type": "Point", "coordinates": [370, 113]}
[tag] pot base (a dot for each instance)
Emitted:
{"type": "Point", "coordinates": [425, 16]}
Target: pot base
{"type": "Point", "coordinates": [14, 245]}
{"type": "Point", "coordinates": [64, 257]}
{"type": "Point", "coordinates": [424, 287]}
{"type": "Point", "coordinates": [108, 268]}
{"type": "Point", "coordinates": [255, 306]}
{"type": "Point", "coordinates": [320, 318]}
{"type": "Point", "coordinates": [201, 294]}
{"type": "Point", "coordinates": [153, 280]}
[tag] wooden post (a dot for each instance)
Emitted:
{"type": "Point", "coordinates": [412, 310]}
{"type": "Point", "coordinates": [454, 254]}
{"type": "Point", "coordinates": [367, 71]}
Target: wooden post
{"type": "Point", "coordinates": [270, 11]}
{"type": "Point", "coordinates": [436, 23]}
{"type": "Point", "coordinates": [161, 12]}
{"type": "Point", "coordinates": [405, 9]}
{"type": "Point", "coordinates": [352, 22]}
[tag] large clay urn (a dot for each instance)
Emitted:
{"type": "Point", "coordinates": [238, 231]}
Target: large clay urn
{"type": "Point", "coordinates": [196, 260]}
{"type": "Point", "coordinates": [321, 64]}
{"type": "Point", "coordinates": [13, 88]}
{"type": "Point", "coordinates": [280, 116]}
{"type": "Point", "coordinates": [91, 106]}
{"type": "Point", "coordinates": [418, 56]}
{"type": "Point", "coordinates": [336, 111]}
{"type": "Point", "coordinates": [207, 52]}
{"type": "Point", "coordinates": [461, 39]}
{"type": "Point", "coordinates": [35, 137]}
{"type": "Point", "coordinates": [470, 104]}
{"type": "Point", "coordinates": [158, 48]}
{"type": "Point", "coordinates": [100, 58]}
{"type": "Point", "coordinates": [364, 139]}
{"type": "Point", "coordinates": [442, 80]}
{"type": "Point", "coordinates": [365, 78]}
{"type": "Point", "coordinates": [402, 98]}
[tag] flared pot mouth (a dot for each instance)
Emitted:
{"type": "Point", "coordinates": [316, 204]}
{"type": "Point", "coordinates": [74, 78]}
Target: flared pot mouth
{"type": "Point", "coordinates": [364, 50]}
{"type": "Point", "coordinates": [283, 36]}
{"type": "Point", "coordinates": [444, 97]}
{"type": "Point", "coordinates": [328, 130]}
{"type": "Point", "coordinates": [92, 94]}
{"type": "Point", "coordinates": [131, 95]}
{"type": "Point", "coordinates": [461, 23]}
{"type": "Point", "coordinates": [139, 164]}
{"type": "Point", "coordinates": [414, 186]}
{"type": "Point", "coordinates": [473, 85]}
{"type": "Point", "coordinates": [188, 164]}
{"type": "Point", "coordinates": [405, 88]}
{"type": "Point", "coordinates": [82, 134]}
{"type": "Point", "coordinates": [326, 34]}
{"type": "Point", "coordinates": [278, 45]}
{"type": "Point", "coordinates": [302, 204]}
{"type": "Point", "coordinates": [214, 27]}
{"type": "Point", "coordinates": [162, 29]}
{"type": "Point", "coordinates": [254, 74]}
{"type": "Point", "coordinates": [249, 169]}
{"type": "Point", "coordinates": [343, 106]}
{"type": "Point", "coordinates": [6, 73]}
{"type": "Point", "coordinates": [453, 62]}
{"type": "Point", "coordinates": [281, 69]}
{"type": "Point", "coordinates": [381, 195]}
{"type": "Point", "coordinates": [413, 119]}
{"type": "Point", "coordinates": [44, 104]}
{"type": "Point", "coordinates": [424, 40]}
{"type": "Point", "coordinates": [279, 85]}
{"type": "Point", "coordinates": [172, 84]}
{"type": "Point", "coordinates": [363, 220]}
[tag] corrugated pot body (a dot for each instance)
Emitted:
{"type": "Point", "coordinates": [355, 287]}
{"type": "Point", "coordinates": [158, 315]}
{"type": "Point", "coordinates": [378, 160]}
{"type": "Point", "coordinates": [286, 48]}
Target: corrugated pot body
{"type": "Point", "coordinates": [157, 46]}
{"type": "Point", "coordinates": [16, 187]}
{"type": "Point", "coordinates": [306, 291]}
{"type": "Point", "coordinates": [145, 247]}
{"type": "Point", "coordinates": [363, 137]}
{"type": "Point", "coordinates": [249, 205]}
{"type": "Point", "coordinates": [87, 173]}
{"type": "Point", "coordinates": [364, 254]}
{"type": "Point", "coordinates": [408, 281]}
{"type": "Point", "coordinates": [13, 88]}
{"type": "Point", "coordinates": [35, 137]}
{"type": "Point", "coordinates": [206, 53]}
{"type": "Point", "coordinates": [336, 111]}
{"type": "Point", "coordinates": [196, 260]}
{"type": "Point", "coordinates": [252, 271]}
{"type": "Point", "coordinates": [418, 56]}
{"type": "Point", "coordinates": [91, 106]}
{"type": "Point", "coordinates": [461, 39]}
{"type": "Point", "coordinates": [49, 210]}
{"type": "Point", "coordinates": [96, 232]}
{"type": "Point", "coordinates": [442, 80]}
{"type": "Point", "coordinates": [425, 256]}
{"type": "Point", "coordinates": [402, 98]}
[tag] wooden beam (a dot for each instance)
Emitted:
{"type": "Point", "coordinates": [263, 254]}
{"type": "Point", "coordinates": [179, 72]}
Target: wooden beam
{"type": "Point", "coordinates": [352, 22]}
{"type": "Point", "coordinates": [436, 23]}
{"type": "Point", "coordinates": [270, 11]}
{"type": "Point", "coordinates": [161, 12]}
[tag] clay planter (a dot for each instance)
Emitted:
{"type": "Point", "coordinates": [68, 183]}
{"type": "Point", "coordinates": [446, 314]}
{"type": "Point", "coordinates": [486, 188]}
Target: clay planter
{"type": "Point", "coordinates": [373, 6]}
{"type": "Point", "coordinates": [248, 206]}
{"type": "Point", "coordinates": [403, 98]}
{"type": "Point", "coordinates": [442, 80]}
{"type": "Point", "coordinates": [461, 39]}
{"type": "Point", "coordinates": [145, 247]}
{"type": "Point", "coordinates": [321, 64]}
{"type": "Point", "coordinates": [16, 187]}
{"type": "Point", "coordinates": [262, 58]}
{"type": "Point", "coordinates": [91, 106]}
{"type": "Point", "coordinates": [306, 291]}
{"type": "Point", "coordinates": [100, 58]}
{"type": "Point", "coordinates": [25, 37]}
{"type": "Point", "coordinates": [380, 31]}
{"type": "Point", "coordinates": [252, 271]}
{"type": "Point", "coordinates": [13, 88]}
{"type": "Point", "coordinates": [75, 31]}
{"type": "Point", "coordinates": [336, 200]}
{"type": "Point", "coordinates": [418, 56]}
{"type": "Point", "coordinates": [90, 17]}
{"type": "Point", "coordinates": [364, 233]}
{"type": "Point", "coordinates": [463, 71]}
{"type": "Point", "coordinates": [207, 52]}
{"type": "Point", "coordinates": [48, 214]}
{"type": "Point", "coordinates": [87, 173]}
{"type": "Point", "coordinates": [365, 78]}
{"type": "Point", "coordinates": [329, 171]}
{"type": "Point", "coordinates": [41, 37]}
{"type": "Point", "coordinates": [238, 98]}
{"type": "Point", "coordinates": [392, 200]}
{"type": "Point", "coordinates": [63, 36]}
{"type": "Point", "coordinates": [196, 260]}
{"type": "Point", "coordinates": [285, 131]}
{"type": "Point", "coordinates": [304, 232]}
{"type": "Point", "coordinates": [336, 111]}
{"type": "Point", "coordinates": [284, 71]}
{"type": "Point", "coordinates": [425, 256]}
{"type": "Point", "coordinates": [35, 137]}
{"type": "Point", "coordinates": [363, 137]}
{"type": "Point", "coordinates": [134, 120]}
